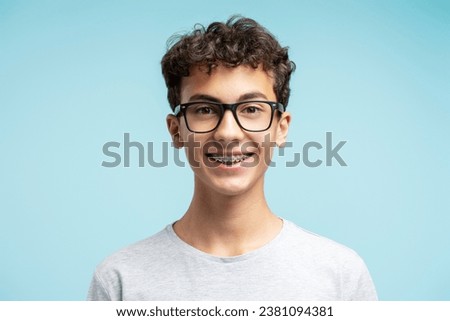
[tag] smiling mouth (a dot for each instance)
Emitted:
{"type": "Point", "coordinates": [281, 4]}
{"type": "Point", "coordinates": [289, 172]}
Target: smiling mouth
{"type": "Point", "coordinates": [229, 160]}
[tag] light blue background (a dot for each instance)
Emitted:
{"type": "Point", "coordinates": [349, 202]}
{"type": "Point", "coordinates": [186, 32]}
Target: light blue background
{"type": "Point", "coordinates": [75, 75]}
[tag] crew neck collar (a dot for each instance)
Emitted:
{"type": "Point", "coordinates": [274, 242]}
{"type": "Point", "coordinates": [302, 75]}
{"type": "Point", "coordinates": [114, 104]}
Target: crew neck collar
{"type": "Point", "coordinates": [189, 249]}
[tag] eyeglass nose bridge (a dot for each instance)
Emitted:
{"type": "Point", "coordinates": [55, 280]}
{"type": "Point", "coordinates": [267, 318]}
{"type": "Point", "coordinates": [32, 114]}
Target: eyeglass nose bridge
{"type": "Point", "coordinates": [232, 108]}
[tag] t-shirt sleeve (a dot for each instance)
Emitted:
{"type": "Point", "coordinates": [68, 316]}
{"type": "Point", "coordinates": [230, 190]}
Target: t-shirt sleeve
{"type": "Point", "coordinates": [97, 291]}
{"type": "Point", "coordinates": [357, 282]}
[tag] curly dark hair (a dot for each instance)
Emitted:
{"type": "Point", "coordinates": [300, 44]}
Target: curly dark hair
{"type": "Point", "coordinates": [239, 41]}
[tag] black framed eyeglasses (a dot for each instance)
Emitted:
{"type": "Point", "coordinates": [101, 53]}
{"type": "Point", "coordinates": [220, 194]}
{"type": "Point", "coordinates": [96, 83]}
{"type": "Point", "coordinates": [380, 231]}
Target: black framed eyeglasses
{"type": "Point", "coordinates": [205, 116]}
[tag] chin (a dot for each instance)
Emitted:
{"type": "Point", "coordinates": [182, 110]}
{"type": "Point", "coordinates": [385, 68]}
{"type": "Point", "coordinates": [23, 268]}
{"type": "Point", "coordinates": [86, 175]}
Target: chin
{"type": "Point", "coordinates": [231, 190]}
{"type": "Point", "coordinates": [230, 186]}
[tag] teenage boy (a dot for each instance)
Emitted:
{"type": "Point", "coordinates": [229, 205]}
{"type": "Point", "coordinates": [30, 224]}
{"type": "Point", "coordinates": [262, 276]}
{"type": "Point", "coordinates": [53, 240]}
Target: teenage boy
{"type": "Point", "coordinates": [228, 87]}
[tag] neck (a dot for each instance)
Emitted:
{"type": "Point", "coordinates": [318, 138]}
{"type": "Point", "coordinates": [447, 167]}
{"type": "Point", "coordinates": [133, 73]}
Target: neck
{"type": "Point", "coordinates": [227, 225]}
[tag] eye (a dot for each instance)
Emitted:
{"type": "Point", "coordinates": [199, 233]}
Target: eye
{"type": "Point", "coordinates": [204, 109]}
{"type": "Point", "coordinates": [251, 109]}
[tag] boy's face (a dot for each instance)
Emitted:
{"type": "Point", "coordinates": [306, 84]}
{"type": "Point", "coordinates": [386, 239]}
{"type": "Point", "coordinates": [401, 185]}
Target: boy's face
{"type": "Point", "coordinates": [252, 151]}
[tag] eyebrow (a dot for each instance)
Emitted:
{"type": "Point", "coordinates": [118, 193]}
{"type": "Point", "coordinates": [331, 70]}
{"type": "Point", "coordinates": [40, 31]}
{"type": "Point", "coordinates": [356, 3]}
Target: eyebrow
{"type": "Point", "coordinates": [203, 97]}
{"type": "Point", "coordinates": [252, 95]}
{"type": "Point", "coordinates": [246, 96]}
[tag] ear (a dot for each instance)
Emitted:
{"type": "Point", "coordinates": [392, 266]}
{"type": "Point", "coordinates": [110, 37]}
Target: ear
{"type": "Point", "coordinates": [283, 128]}
{"type": "Point", "coordinates": [173, 125]}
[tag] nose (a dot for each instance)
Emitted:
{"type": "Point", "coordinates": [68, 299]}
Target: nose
{"type": "Point", "coordinates": [228, 129]}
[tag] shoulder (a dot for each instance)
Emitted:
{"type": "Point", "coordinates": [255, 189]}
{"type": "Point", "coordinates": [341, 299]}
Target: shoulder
{"type": "Point", "coordinates": [331, 258]}
{"type": "Point", "coordinates": [142, 260]}
{"type": "Point", "coordinates": [318, 248]}
{"type": "Point", "coordinates": [135, 256]}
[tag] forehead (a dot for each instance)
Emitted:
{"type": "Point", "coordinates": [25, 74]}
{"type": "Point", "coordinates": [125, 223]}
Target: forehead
{"type": "Point", "coordinates": [227, 84]}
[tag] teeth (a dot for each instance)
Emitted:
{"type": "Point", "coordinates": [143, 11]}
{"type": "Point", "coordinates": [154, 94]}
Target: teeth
{"type": "Point", "coordinates": [229, 160]}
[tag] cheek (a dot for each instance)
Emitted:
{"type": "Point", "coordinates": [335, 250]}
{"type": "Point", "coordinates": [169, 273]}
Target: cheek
{"type": "Point", "coordinates": [195, 146]}
{"type": "Point", "coordinates": [191, 147]}
{"type": "Point", "coordinates": [184, 131]}
{"type": "Point", "coordinates": [266, 144]}
{"type": "Point", "coordinates": [267, 141]}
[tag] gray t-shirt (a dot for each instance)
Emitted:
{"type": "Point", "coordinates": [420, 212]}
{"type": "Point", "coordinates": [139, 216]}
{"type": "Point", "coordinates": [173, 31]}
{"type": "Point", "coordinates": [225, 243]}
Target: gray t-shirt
{"type": "Point", "coordinates": [296, 265]}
